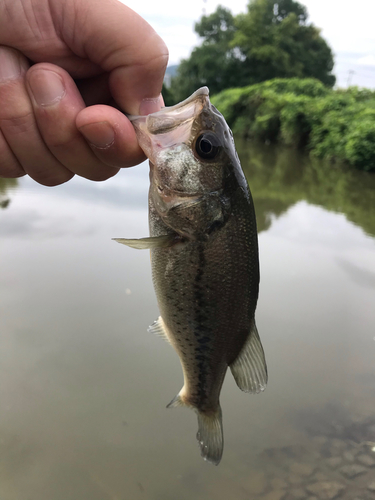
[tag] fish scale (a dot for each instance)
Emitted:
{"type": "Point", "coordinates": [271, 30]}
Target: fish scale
{"type": "Point", "coordinates": [204, 257]}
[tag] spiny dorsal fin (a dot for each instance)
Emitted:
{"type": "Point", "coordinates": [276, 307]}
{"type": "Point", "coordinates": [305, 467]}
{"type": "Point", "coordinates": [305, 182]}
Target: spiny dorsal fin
{"type": "Point", "coordinates": [249, 369]}
{"type": "Point", "coordinates": [158, 328]}
{"type": "Point", "coordinates": [163, 241]}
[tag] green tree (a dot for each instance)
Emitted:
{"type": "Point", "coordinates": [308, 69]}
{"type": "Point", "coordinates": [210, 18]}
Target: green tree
{"type": "Point", "coordinates": [217, 28]}
{"type": "Point", "coordinates": [167, 96]}
{"type": "Point", "coordinates": [214, 63]}
{"type": "Point", "coordinates": [272, 40]}
{"type": "Point", "coordinates": [276, 41]}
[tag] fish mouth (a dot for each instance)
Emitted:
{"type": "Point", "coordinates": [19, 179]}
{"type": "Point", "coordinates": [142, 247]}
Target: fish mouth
{"type": "Point", "coordinates": [172, 117]}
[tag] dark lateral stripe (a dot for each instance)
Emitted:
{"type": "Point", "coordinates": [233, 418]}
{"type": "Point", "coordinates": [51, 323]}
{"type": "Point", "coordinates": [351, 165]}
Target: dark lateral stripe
{"type": "Point", "coordinates": [201, 333]}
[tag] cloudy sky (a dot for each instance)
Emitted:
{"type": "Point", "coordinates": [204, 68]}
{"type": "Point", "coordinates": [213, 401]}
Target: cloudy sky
{"type": "Point", "coordinates": [347, 26]}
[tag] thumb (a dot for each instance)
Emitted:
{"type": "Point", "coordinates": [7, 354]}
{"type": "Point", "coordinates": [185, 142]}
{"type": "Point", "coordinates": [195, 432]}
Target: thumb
{"type": "Point", "coordinates": [120, 42]}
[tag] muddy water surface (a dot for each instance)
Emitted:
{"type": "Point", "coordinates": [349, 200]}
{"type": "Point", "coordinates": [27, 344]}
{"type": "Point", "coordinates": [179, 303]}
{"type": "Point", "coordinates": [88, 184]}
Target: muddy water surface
{"type": "Point", "coordinates": [83, 386]}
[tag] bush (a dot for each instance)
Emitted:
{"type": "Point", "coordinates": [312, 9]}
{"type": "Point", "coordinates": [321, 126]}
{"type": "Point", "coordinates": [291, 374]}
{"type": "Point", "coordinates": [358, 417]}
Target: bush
{"type": "Point", "coordinates": [295, 124]}
{"type": "Point", "coordinates": [332, 124]}
{"type": "Point", "coordinates": [360, 145]}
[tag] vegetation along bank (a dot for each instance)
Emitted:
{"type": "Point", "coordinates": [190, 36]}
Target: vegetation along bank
{"type": "Point", "coordinates": [269, 71]}
{"type": "Point", "coordinates": [336, 125]}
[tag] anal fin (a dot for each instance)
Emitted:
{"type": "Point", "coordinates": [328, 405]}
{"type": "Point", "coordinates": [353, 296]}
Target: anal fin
{"type": "Point", "coordinates": [158, 328]}
{"type": "Point", "coordinates": [249, 369]}
{"type": "Point", "coordinates": [176, 402]}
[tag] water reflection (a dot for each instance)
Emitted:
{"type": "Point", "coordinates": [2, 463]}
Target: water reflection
{"type": "Point", "coordinates": [279, 178]}
{"type": "Point", "coordinates": [83, 386]}
{"type": "Point", "coordinates": [363, 277]}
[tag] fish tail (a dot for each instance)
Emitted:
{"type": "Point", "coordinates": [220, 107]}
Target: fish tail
{"type": "Point", "coordinates": [210, 430]}
{"type": "Point", "coordinates": [210, 435]}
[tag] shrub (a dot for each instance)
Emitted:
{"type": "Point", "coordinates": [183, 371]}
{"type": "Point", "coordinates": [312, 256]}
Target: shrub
{"type": "Point", "coordinates": [360, 145]}
{"type": "Point", "coordinates": [304, 113]}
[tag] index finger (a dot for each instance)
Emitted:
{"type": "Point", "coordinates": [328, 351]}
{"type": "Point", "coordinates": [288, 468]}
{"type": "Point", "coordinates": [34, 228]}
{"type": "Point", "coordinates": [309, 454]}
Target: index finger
{"type": "Point", "coordinates": [122, 43]}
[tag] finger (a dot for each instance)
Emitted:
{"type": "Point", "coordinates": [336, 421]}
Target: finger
{"type": "Point", "coordinates": [18, 126]}
{"type": "Point", "coordinates": [9, 165]}
{"type": "Point", "coordinates": [110, 135]}
{"type": "Point", "coordinates": [122, 43]}
{"type": "Point", "coordinates": [95, 90]}
{"type": "Point", "coordinates": [30, 27]}
{"type": "Point", "coordinates": [56, 113]}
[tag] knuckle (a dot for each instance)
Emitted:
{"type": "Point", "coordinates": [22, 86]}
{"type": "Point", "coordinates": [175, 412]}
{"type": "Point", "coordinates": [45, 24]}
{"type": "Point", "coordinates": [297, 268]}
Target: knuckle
{"type": "Point", "coordinates": [157, 54]}
{"type": "Point", "coordinates": [56, 139]}
{"type": "Point", "coordinates": [16, 125]}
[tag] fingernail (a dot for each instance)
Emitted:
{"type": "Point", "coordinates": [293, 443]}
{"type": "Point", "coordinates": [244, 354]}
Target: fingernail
{"type": "Point", "coordinates": [46, 86]}
{"type": "Point", "coordinates": [100, 134]}
{"type": "Point", "coordinates": [150, 105]}
{"type": "Point", "coordinates": [11, 65]}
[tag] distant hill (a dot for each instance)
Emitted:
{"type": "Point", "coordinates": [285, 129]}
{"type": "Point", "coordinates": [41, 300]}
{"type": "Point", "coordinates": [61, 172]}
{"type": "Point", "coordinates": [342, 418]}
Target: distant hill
{"type": "Point", "coordinates": [169, 74]}
{"type": "Point", "coordinates": [171, 70]}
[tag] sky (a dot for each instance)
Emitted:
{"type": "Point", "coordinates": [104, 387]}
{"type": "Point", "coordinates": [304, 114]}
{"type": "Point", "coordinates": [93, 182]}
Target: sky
{"type": "Point", "coordinates": [348, 27]}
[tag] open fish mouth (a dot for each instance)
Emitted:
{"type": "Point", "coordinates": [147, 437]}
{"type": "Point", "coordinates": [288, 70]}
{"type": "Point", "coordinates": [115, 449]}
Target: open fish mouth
{"type": "Point", "coordinates": [199, 94]}
{"type": "Point", "coordinates": [178, 117]}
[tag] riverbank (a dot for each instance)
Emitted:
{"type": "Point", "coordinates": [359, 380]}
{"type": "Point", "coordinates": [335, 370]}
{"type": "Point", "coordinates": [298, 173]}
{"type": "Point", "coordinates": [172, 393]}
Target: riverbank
{"type": "Point", "coordinates": [335, 125]}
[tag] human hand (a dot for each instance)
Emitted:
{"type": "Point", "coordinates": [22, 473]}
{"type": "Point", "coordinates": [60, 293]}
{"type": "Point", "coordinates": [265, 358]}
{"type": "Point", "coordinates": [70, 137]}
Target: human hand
{"type": "Point", "coordinates": [61, 63]}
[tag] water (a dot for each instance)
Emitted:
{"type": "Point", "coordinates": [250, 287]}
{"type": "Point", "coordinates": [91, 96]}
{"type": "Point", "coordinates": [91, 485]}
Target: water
{"type": "Point", "coordinates": [83, 386]}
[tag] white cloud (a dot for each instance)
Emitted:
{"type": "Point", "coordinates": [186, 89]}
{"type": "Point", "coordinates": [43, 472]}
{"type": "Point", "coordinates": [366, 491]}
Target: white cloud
{"type": "Point", "coordinates": [367, 60]}
{"type": "Point", "coordinates": [180, 40]}
{"type": "Point", "coordinates": [189, 10]}
{"type": "Point", "coordinates": [348, 29]}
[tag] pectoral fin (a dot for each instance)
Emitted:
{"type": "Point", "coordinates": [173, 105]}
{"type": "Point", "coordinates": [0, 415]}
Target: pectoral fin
{"type": "Point", "coordinates": [249, 369]}
{"type": "Point", "coordinates": [163, 241]}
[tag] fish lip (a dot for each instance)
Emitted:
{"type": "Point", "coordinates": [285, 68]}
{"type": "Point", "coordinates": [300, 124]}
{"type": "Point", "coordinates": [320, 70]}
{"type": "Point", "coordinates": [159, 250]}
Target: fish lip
{"type": "Point", "coordinates": [203, 91]}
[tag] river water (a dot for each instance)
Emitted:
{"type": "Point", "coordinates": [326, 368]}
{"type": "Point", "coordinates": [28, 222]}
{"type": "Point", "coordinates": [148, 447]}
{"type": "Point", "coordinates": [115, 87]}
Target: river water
{"type": "Point", "coordinates": [83, 385]}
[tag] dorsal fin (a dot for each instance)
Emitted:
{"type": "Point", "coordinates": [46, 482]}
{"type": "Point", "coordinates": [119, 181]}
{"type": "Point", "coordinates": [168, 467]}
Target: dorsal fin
{"type": "Point", "coordinates": [249, 369]}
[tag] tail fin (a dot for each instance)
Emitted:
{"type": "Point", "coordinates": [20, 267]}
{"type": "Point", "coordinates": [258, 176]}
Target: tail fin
{"type": "Point", "coordinates": [210, 431]}
{"type": "Point", "coordinates": [210, 436]}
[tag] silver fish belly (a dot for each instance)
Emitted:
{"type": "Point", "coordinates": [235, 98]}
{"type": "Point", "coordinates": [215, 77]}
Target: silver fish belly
{"type": "Point", "coordinates": [204, 255]}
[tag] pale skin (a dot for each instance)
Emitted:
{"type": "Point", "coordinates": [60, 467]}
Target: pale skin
{"type": "Point", "coordinates": [69, 70]}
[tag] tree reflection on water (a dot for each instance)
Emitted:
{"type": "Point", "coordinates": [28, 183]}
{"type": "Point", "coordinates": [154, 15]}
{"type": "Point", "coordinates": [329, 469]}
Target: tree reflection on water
{"type": "Point", "coordinates": [279, 178]}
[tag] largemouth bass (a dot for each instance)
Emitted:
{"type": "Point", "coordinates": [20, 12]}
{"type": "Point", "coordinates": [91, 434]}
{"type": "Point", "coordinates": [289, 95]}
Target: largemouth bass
{"type": "Point", "coordinates": [204, 256]}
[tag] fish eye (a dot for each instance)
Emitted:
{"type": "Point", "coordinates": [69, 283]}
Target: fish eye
{"type": "Point", "coordinates": [207, 146]}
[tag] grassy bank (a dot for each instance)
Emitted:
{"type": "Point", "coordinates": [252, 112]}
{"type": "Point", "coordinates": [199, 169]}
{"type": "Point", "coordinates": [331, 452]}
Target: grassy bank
{"type": "Point", "coordinates": [331, 124]}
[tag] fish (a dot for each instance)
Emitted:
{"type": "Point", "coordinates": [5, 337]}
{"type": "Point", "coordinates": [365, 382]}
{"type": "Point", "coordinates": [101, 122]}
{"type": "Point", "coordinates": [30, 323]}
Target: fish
{"type": "Point", "coordinates": [204, 257]}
